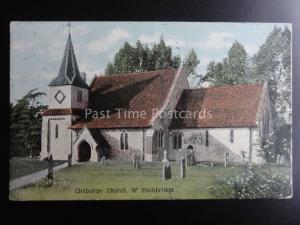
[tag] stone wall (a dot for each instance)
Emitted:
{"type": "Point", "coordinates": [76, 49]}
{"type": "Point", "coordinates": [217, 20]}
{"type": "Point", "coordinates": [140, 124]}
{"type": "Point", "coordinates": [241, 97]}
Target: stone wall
{"type": "Point", "coordinates": [135, 143]}
{"type": "Point", "coordinates": [180, 83]}
{"type": "Point", "coordinates": [60, 147]}
{"type": "Point", "coordinates": [219, 143]}
{"type": "Point", "coordinates": [70, 100]}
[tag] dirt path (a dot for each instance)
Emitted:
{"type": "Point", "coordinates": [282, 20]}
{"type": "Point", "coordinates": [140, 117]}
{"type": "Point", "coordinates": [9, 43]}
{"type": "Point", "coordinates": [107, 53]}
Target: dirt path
{"type": "Point", "coordinates": [33, 177]}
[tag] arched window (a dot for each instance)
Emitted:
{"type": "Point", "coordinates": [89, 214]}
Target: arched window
{"type": "Point", "coordinates": [206, 138]}
{"type": "Point", "coordinates": [160, 138]}
{"type": "Point", "coordinates": [179, 141]}
{"type": "Point", "coordinates": [231, 136]}
{"type": "Point", "coordinates": [175, 141]}
{"type": "Point", "coordinates": [126, 141]}
{"type": "Point", "coordinates": [79, 95]}
{"type": "Point", "coordinates": [122, 141]}
{"type": "Point", "coordinates": [56, 131]}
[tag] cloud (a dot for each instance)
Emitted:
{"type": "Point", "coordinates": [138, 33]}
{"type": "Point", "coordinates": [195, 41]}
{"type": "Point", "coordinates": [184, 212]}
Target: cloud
{"type": "Point", "coordinates": [216, 40]}
{"type": "Point", "coordinates": [20, 45]}
{"type": "Point", "coordinates": [154, 38]}
{"type": "Point", "coordinates": [103, 44]}
{"type": "Point", "coordinates": [175, 43]}
{"type": "Point", "coordinates": [149, 39]}
{"type": "Point", "coordinates": [47, 76]}
{"type": "Point", "coordinates": [79, 29]}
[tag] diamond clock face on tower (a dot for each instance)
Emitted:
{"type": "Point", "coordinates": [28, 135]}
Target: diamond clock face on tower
{"type": "Point", "coordinates": [59, 96]}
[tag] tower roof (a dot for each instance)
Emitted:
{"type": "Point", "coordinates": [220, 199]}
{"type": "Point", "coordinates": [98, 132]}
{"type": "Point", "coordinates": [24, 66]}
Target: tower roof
{"type": "Point", "coordinates": [69, 73]}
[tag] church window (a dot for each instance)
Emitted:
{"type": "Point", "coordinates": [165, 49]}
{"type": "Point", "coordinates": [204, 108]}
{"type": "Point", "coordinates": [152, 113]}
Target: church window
{"type": "Point", "coordinates": [175, 141]}
{"type": "Point", "coordinates": [179, 140]}
{"type": "Point", "coordinates": [206, 138]}
{"type": "Point", "coordinates": [160, 138]}
{"type": "Point", "coordinates": [79, 96]}
{"type": "Point", "coordinates": [231, 136]}
{"type": "Point", "coordinates": [56, 131]}
{"type": "Point", "coordinates": [124, 140]}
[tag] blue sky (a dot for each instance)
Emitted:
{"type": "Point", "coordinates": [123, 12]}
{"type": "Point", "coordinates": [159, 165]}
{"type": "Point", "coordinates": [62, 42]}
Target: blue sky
{"type": "Point", "coordinates": [37, 47]}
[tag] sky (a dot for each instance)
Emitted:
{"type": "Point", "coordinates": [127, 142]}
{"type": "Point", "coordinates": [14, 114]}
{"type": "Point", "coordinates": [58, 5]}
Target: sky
{"type": "Point", "coordinates": [36, 48]}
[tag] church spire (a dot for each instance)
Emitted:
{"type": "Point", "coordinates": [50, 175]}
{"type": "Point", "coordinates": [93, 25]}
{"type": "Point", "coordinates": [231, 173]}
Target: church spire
{"type": "Point", "coordinates": [69, 73]}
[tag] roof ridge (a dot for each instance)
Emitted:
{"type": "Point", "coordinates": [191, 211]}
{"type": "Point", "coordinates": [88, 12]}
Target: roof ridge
{"type": "Point", "coordinates": [134, 73]}
{"type": "Point", "coordinates": [225, 86]}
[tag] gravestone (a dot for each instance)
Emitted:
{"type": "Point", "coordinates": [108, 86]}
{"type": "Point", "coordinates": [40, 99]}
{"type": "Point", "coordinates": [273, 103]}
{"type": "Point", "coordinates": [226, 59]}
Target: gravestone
{"type": "Point", "coordinates": [282, 159]}
{"type": "Point", "coordinates": [278, 159]}
{"type": "Point", "coordinates": [50, 167]}
{"type": "Point", "coordinates": [69, 160]}
{"type": "Point", "coordinates": [103, 161]}
{"type": "Point", "coordinates": [182, 165]}
{"type": "Point", "coordinates": [190, 157]}
{"type": "Point", "coordinates": [226, 159]}
{"type": "Point", "coordinates": [212, 164]}
{"type": "Point", "coordinates": [135, 161]}
{"type": "Point", "coordinates": [166, 171]}
{"type": "Point", "coordinates": [243, 157]}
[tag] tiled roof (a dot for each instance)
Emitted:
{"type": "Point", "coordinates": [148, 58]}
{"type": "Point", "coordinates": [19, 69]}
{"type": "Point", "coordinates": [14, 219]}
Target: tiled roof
{"type": "Point", "coordinates": [230, 106]}
{"type": "Point", "coordinates": [138, 92]}
{"type": "Point", "coordinates": [69, 73]}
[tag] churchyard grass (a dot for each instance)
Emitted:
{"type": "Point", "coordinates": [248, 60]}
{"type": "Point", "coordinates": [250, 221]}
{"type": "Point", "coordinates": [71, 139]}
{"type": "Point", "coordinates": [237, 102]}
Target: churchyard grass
{"type": "Point", "coordinates": [118, 175]}
{"type": "Point", "coordinates": [20, 166]}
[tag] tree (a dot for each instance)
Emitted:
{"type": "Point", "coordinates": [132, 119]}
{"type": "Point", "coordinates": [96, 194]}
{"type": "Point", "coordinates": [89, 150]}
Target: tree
{"type": "Point", "coordinates": [237, 68]}
{"type": "Point", "coordinates": [25, 125]}
{"type": "Point", "coordinates": [272, 63]}
{"type": "Point", "coordinates": [140, 58]}
{"type": "Point", "coordinates": [233, 70]}
{"type": "Point", "coordinates": [190, 64]}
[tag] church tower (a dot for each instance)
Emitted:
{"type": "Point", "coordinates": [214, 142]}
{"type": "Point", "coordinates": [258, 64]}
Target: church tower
{"type": "Point", "coordinates": [68, 96]}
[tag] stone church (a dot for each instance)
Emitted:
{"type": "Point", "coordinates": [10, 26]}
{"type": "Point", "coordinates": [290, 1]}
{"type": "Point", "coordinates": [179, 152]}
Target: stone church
{"type": "Point", "coordinates": [238, 118]}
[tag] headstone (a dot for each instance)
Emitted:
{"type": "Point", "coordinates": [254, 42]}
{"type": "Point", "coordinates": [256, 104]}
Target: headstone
{"type": "Point", "coordinates": [166, 171]}
{"type": "Point", "coordinates": [69, 160]}
{"type": "Point", "coordinates": [182, 165]}
{"type": "Point", "coordinates": [165, 160]}
{"type": "Point", "coordinates": [226, 159]}
{"type": "Point", "coordinates": [282, 159]}
{"type": "Point", "coordinates": [278, 159]}
{"type": "Point", "coordinates": [243, 157]}
{"type": "Point", "coordinates": [190, 157]}
{"type": "Point", "coordinates": [103, 160]}
{"type": "Point", "coordinates": [134, 162]}
{"type": "Point", "coordinates": [167, 174]}
{"type": "Point", "coordinates": [212, 164]}
{"type": "Point", "coordinates": [50, 167]}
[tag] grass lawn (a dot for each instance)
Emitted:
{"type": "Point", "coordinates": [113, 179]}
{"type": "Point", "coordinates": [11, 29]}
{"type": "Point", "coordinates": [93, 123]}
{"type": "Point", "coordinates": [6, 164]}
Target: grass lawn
{"type": "Point", "coordinates": [93, 176]}
{"type": "Point", "coordinates": [20, 166]}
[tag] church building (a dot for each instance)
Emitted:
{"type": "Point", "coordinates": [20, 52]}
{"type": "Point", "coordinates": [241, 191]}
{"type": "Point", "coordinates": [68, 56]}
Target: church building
{"type": "Point", "coordinates": [141, 118]}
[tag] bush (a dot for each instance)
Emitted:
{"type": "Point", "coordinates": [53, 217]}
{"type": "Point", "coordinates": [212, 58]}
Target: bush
{"type": "Point", "coordinates": [57, 182]}
{"type": "Point", "coordinates": [252, 184]}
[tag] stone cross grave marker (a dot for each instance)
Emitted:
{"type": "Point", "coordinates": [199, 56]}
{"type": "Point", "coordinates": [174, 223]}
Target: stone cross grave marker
{"type": "Point", "coordinates": [226, 159]}
{"type": "Point", "coordinates": [103, 161]}
{"type": "Point", "coordinates": [166, 172]}
{"type": "Point", "coordinates": [136, 161]}
{"type": "Point", "coordinates": [182, 164]}
{"type": "Point", "coordinates": [50, 167]}
{"type": "Point", "coordinates": [69, 160]}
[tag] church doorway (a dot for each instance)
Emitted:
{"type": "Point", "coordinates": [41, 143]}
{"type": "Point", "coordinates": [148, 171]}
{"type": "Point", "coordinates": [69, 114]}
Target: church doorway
{"type": "Point", "coordinates": [84, 152]}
